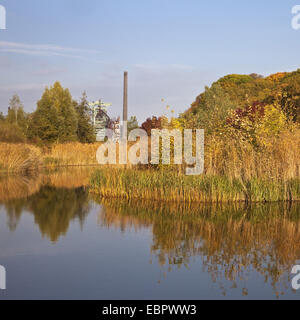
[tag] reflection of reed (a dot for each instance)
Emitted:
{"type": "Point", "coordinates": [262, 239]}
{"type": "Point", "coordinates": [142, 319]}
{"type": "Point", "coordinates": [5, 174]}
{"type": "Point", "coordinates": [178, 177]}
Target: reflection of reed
{"type": "Point", "coordinates": [231, 240]}
{"type": "Point", "coordinates": [17, 187]}
{"type": "Point", "coordinates": [70, 177]}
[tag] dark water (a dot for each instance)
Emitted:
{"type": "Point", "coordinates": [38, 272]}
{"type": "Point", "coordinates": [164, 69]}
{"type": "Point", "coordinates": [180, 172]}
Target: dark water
{"type": "Point", "coordinates": [59, 242]}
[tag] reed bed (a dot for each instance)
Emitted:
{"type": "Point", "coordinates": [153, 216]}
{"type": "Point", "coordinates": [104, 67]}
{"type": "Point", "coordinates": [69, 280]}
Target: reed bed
{"type": "Point", "coordinates": [167, 185]}
{"type": "Point", "coordinates": [235, 170]}
{"type": "Point", "coordinates": [277, 157]}
{"type": "Point", "coordinates": [71, 154]}
{"type": "Point", "coordinates": [19, 158]}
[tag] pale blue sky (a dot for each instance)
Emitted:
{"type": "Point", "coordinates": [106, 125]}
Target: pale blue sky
{"type": "Point", "coordinates": [171, 48]}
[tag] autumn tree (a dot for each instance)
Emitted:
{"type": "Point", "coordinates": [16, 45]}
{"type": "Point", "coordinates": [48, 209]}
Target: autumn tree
{"type": "Point", "coordinates": [152, 123]}
{"type": "Point", "coordinates": [258, 122]}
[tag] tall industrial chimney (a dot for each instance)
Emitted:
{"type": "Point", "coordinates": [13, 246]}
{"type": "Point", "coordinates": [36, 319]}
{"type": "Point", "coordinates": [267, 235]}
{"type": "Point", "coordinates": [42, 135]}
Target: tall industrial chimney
{"type": "Point", "coordinates": [125, 98]}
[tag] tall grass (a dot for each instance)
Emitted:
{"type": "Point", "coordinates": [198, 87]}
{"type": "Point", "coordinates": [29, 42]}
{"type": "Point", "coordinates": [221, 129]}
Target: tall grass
{"type": "Point", "coordinates": [19, 158]}
{"type": "Point", "coordinates": [235, 170]}
{"type": "Point", "coordinates": [166, 185]}
{"type": "Point", "coordinates": [276, 158]}
{"type": "Point", "coordinates": [71, 154]}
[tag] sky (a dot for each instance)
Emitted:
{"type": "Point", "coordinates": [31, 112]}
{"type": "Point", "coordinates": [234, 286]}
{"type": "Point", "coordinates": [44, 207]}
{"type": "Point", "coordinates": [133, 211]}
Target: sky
{"type": "Point", "coordinates": [172, 49]}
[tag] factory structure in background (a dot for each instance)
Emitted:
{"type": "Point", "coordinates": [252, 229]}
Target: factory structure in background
{"type": "Point", "coordinates": [99, 115]}
{"type": "Point", "coordinates": [100, 118]}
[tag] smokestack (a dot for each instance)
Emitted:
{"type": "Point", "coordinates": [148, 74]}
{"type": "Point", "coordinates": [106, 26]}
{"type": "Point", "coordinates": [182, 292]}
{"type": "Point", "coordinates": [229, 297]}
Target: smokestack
{"type": "Point", "coordinates": [125, 99]}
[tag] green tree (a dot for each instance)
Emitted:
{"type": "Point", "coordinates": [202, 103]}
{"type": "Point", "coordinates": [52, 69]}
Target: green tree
{"type": "Point", "coordinates": [85, 131]}
{"type": "Point", "coordinates": [55, 119]}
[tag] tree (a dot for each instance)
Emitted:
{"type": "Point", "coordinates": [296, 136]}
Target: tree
{"type": "Point", "coordinates": [258, 122]}
{"type": "Point", "coordinates": [55, 119]}
{"type": "Point", "coordinates": [237, 92]}
{"type": "Point", "coordinates": [16, 114]}
{"type": "Point", "coordinates": [85, 131]}
{"type": "Point", "coordinates": [132, 124]}
{"type": "Point", "coordinates": [152, 123]}
{"type": "Point", "coordinates": [256, 76]}
{"type": "Point", "coordinates": [210, 110]}
{"type": "Point", "coordinates": [14, 105]}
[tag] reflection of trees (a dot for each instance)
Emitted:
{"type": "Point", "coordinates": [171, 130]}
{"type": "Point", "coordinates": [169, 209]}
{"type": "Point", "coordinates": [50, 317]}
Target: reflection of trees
{"type": "Point", "coordinates": [55, 198]}
{"type": "Point", "coordinates": [13, 191]}
{"type": "Point", "coordinates": [53, 209]}
{"type": "Point", "coordinates": [232, 240]}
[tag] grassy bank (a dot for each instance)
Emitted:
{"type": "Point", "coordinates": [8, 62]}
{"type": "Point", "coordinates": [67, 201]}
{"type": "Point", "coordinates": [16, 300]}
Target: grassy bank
{"type": "Point", "coordinates": [167, 185]}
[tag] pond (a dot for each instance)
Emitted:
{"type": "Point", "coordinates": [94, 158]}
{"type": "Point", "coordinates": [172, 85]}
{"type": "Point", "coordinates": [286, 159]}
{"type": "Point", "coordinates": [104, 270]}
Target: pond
{"type": "Point", "coordinates": [57, 241]}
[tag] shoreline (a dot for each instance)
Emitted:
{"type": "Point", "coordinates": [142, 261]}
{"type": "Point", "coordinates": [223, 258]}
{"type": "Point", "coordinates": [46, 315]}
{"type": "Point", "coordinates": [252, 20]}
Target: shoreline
{"type": "Point", "coordinates": [201, 190]}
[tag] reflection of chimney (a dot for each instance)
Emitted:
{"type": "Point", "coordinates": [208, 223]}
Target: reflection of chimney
{"type": "Point", "coordinates": [125, 99]}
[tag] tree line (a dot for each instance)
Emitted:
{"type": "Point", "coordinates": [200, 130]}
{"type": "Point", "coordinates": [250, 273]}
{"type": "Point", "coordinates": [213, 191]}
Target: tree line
{"type": "Point", "coordinates": [251, 105]}
{"type": "Point", "coordinates": [57, 118]}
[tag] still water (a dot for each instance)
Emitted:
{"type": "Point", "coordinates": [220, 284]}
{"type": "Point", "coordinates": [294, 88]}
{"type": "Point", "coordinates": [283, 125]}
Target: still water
{"type": "Point", "coordinates": [59, 242]}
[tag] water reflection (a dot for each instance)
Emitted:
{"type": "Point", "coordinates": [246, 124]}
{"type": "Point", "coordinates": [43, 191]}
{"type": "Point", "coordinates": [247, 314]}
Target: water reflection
{"type": "Point", "coordinates": [53, 210]}
{"type": "Point", "coordinates": [230, 240]}
{"type": "Point", "coordinates": [16, 187]}
{"type": "Point", "coordinates": [55, 199]}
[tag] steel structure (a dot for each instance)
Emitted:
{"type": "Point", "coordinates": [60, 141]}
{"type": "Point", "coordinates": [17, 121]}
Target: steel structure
{"type": "Point", "coordinates": [99, 118]}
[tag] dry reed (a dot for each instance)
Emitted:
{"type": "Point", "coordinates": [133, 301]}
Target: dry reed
{"type": "Point", "coordinates": [19, 158]}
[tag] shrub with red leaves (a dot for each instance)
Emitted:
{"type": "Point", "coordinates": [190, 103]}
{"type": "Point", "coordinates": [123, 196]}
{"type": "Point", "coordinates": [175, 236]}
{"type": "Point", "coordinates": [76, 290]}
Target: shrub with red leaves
{"type": "Point", "coordinates": [251, 113]}
{"type": "Point", "coordinates": [152, 123]}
